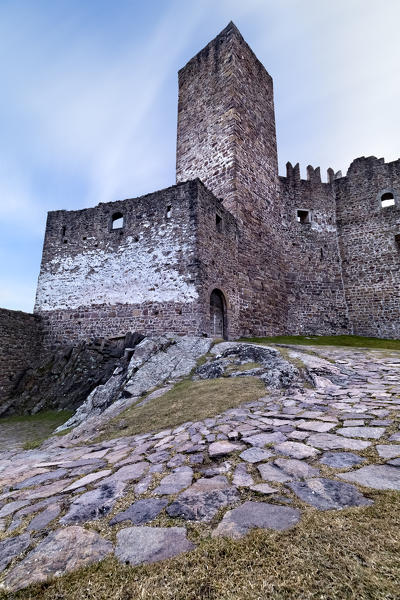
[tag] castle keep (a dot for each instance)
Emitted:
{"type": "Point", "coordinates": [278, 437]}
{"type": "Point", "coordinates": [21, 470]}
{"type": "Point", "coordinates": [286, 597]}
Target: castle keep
{"type": "Point", "coordinates": [233, 249]}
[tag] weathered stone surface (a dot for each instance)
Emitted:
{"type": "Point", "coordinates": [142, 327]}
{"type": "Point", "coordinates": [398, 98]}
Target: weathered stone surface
{"type": "Point", "coordinates": [395, 462]}
{"type": "Point", "coordinates": [142, 486]}
{"type": "Point", "coordinates": [41, 520]}
{"type": "Point", "coordinates": [223, 448]}
{"type": "Point", "coordinates": [11, 547]}
{"type": "Point", "coordinates": [262, 439]}
{"type": "Point", "coordinates": [179, 479]}
{"type": "Point", "coordinates": [203, 499]}
{"type": "Point", "coordinates": [331, 441]}
{"type": "Point", "coordinates": [42, 478]}
{"type": "Point", "coordinates": [137, 545]}
{"type": "Point", "coordinates": [326, 494]}
{"type": "Point", "coordinates": [94, 504]}
{"type": "Point", "coordinates": [296, 450]}
{"type": "Point", "coordinates": [62, 551]}
{"type": "Point", "coordinates": [141, 511]}
{"type": "Point", "coordinates": [237, 522]}
{"type": "Point", "coordinates": [87, 480]}
{"type": "Point", "coordinates": [379, 477]}
{"type": "Point", "coordinates": [318, 426]}
{"type": "Point", "coordinates": [388, 450]}
{"type": "Point", "coordinates": [255, 455]}
{"type": "Point", "coordinates": [270, 473]}
{"type": "Point", "coordinates": [220, 469]}
{"type": "Point", "coordinates": [263, 488]}
{"type": "Point", "coordinates": [241, 477]}
{"type": "Point", "coordinates": [362, 432]}
{"type": "Point", "coordinates": [11, 507]}
{"type": "Point", "coordinates": [45, 491]}
{"type": "Point", "coordinates": [341, 460]}
{"type": "Point", "coordinates": [130, 472]}
{"type": "Point", "coordinates": [296, 468]}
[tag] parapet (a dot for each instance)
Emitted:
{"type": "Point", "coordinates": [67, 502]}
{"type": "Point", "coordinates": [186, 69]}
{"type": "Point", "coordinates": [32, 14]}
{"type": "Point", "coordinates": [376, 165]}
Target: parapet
{"type": "Point", "coordinates": [313, 175]}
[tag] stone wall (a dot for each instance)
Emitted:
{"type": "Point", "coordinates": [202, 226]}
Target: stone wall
{"type": "Point", "coordinates": [369, 250]}
{"type": "Point", "coordinates": [20, 346]}
{"type": "Point", "coordinates": [218, 249]}
{"type": "Point", "coordinates": [315, 292]}
{"type": "Point", "coordinates": [147, 276]}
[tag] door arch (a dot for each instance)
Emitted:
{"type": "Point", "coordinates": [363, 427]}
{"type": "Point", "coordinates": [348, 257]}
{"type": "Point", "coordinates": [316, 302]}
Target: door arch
{"type": "Point", "coordinates": [218, 323]}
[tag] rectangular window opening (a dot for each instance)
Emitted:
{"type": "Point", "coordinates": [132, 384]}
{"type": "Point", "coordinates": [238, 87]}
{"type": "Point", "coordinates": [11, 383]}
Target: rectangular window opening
{"type": "Point", "coordinates": [303, 216]}
{"type": "Point", "coordinates": [218, 223]}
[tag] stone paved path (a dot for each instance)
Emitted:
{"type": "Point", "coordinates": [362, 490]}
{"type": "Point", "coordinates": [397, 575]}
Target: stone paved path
{"type": "Point", "coordinates": [262, 464]}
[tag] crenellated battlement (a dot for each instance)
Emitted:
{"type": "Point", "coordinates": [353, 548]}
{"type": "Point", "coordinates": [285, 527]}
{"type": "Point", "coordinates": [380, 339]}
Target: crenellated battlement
{"type": "Point", "coordinates": [313, 174]}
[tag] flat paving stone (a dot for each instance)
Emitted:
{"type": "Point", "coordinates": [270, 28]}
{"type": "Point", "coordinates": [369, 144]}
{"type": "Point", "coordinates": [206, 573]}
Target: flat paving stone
{"type": "Point", "coordinates": [177, 481]}
{"type": "Point", "coordinates": [238, 522]}
{"type": "Point", "coordinates": [341, 460]}
{"type": "Point", "coordinates": [131, 472]}
{"type": "Point", "coordinates": [362, 432]}
{"type": "Point", "coordinates": [388, 450]}
{"type": "Point", "coordinates": [12, 547]}
{"type": "Point", "coordinates": [94, 504]}
{"type": "Point", "coordinates": [296, 468]}
{"type": "Point", "coordinates": [203, 499]}
{"type": "Point", "coordinates": [325, 494]}
{"type": "Point", "coordinates": [298, 435]}
{"type": "Point", "coordinates": [263, 488]}
{"type": "Point", "coordinates": [378, 477]}
{"type": "Point", "coordinates": [45, 491]}
{"type": "Point", "coordinates": [223, 448]}
{"type": "Point", "coordinates": [262, 439]}
{"type": "Point", "coordinates": [87, 480]}
{"type": "Point", "coordinates": [255, 455]}
{"type": "Point", "coordinates": [296, 450]}
{"type": "Point", "coordinates": [12, 507]}
{"type": "Point", "coordinates": [45, 517]}
{"type": "Point", "coordinates": [138, 545]}
{"type": "Point", "coordinates": [331, 441]}
{"type": "Point", "coordinates": [270, 473]}
{"type": "Point", "coordinates": [42, 478]}
{"type": "Point", "coordinates": [62, 551]}
{"type": "Point", "coordinates": [318, 426]}
{"type": "Point", "coordinates": [142, 511]}
{"type": "Point", "coordinates": [241, 477]}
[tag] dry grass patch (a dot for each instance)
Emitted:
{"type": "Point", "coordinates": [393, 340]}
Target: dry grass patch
{"type": "Point", "coordinates": [187, 401]}
{"type": "Point", "coordinates": [332, 555]}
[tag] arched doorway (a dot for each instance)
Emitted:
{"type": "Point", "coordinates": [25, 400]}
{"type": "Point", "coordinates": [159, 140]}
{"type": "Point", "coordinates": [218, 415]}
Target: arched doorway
{"type": "Point", "coordinates": [218, 314]}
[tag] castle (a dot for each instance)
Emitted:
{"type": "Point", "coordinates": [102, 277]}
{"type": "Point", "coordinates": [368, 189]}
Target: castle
{"type": "Point", "coordinates": [233, 249]}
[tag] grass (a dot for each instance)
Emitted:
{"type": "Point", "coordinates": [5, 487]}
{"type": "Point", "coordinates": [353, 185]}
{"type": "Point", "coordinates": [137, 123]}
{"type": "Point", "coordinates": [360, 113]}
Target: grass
{"type": "Point", "coordinates": [187, 401]}
{"type": "Point", "coordinates": [33, 429]}
{"type": "Point", "coordinates": [353, 341]}
{"type": "Point", "coordinates": [332, 555]}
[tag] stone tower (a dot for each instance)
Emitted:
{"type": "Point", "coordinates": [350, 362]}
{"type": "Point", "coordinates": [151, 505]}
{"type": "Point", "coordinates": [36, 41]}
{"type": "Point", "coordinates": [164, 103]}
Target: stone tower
{"type": "Point", "coordinates": [227, 138]}
{"type": "Point", "coordinates": [226, 125]}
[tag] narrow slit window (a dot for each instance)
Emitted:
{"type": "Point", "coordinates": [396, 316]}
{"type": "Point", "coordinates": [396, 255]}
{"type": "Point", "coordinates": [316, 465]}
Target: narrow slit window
{"type": "Point", "coordinates": [169, 212]}
{"type": "Point", "coordinates": [117, 221]}
{"type": "Point", "coordinates": [397, 241]}
{"type": "Point", "coordinates": [218, 223]}
{"type": "Point", "coordinates": [303, 216]}
{"type": "Point", "coordinates": [387, 199]}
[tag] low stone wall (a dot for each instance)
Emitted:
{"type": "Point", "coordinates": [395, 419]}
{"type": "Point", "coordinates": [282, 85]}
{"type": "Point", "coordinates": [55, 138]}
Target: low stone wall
{"type": "Point", "coordinates": [20, 347]}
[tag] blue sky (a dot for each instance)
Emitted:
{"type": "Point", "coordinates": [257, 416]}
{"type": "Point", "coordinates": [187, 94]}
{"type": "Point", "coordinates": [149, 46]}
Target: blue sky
{"type": "Point", "coordinates": [88, 99]}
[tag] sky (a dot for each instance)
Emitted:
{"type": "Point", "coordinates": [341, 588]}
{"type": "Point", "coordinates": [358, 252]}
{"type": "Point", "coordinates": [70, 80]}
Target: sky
{"type": "Point", "coordinates": [88, 99]}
